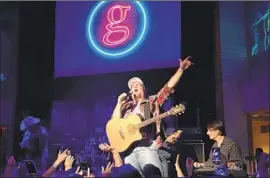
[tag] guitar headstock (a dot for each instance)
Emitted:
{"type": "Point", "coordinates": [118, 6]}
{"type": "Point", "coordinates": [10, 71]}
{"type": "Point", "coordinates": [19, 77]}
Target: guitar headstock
{"type": "Point", "coordinates": [177, 133]}
{"type": "Point", "coordinates": [173, 137]}
{"type": "Point", "coordinates": [177, 110]}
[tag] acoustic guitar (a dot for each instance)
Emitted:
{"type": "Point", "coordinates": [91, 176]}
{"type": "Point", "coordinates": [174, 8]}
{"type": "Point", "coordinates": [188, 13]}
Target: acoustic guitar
{"type": "Point", "coordinates": [122, 133]}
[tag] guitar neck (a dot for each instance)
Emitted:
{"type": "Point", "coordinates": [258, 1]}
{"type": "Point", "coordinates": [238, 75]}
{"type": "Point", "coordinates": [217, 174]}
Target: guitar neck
{"type": "Point", "coordinates": [152, 120]}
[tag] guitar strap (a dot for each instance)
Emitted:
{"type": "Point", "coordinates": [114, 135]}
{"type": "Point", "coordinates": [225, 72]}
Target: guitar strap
{"type": "Point", "coordinates": [146, 109]}
{"type": "Point", "coordinates": [147, 114]}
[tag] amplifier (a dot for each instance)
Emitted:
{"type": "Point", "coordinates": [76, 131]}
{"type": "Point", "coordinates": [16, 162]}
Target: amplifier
{"type": "Point", "coordinates": [193, 148]}
{"type": "Point", "coordinates": [191, 135]}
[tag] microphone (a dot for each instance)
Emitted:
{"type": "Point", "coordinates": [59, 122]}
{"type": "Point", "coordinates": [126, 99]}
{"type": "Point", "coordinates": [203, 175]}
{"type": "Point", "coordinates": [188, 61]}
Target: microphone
{"type": "Point", "coordinates": [128, 95]}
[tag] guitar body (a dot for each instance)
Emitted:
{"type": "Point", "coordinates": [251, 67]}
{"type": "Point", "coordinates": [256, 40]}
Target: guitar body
{"type": "Point", "coordinates": [122, 133]}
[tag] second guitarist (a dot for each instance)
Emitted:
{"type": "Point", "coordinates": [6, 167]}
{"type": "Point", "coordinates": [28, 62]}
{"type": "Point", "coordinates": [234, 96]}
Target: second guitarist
{"type": "Point", "coordinates": [145, 152]}
{"type": "Point", "coordinates": [165, 150]}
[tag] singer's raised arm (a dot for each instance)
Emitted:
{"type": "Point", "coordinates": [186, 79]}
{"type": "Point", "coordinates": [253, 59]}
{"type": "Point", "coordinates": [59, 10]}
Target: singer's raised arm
{"type": "Point", "coordinates": [168, 89]}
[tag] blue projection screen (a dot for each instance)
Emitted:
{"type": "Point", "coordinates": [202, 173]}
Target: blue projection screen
{"type": "Point", "coordinates": [110, 36]}
{"type": "Point", "coordinates": [258, 23]}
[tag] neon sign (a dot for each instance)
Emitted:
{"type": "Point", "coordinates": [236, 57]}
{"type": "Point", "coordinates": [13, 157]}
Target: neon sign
{"type": "Point", "coordinates": [108, 46]}
{"type": "Point", "coordinates": [114, 27]}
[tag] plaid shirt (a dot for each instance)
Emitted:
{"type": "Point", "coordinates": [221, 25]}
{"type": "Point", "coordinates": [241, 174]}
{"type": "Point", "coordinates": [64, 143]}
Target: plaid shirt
{"type": "Point", "coordinates": [230, 150]}
{"type": "Point", "coordinates": [155, 102]}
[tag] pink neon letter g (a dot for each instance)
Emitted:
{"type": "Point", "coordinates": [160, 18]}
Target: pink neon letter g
{"type": "Point", "coordinates": [114, 27]}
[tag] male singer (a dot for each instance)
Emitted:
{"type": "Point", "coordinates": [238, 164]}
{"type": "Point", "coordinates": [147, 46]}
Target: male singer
{"type": "Point", "coordinates": [145, 152]}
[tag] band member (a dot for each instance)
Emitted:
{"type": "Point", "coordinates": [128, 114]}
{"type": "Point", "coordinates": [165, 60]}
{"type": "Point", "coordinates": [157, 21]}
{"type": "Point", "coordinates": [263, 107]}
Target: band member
{"type": "Point", "coordinates": [228, 147]}
{"type": "Point", "coordinates": [35, 141]}
{"type": "Point", "coordinates": [165, 150]}
{"type": "Point", "coordinates": [145, 151]}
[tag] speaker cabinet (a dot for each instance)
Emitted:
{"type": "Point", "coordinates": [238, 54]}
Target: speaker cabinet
{"type": "Point", "coordinates": [194, 150]}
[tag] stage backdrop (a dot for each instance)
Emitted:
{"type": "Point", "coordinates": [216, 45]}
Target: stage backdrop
{"type": "Point", "coordinates": [244, 38]}
{"type": "Point", "coordinates": [105, 37]}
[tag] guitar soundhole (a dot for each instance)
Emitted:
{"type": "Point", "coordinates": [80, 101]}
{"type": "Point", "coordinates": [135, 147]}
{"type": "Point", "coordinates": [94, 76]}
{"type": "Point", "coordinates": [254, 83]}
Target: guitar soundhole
{"type": "Point", "coordinates": [131, 129]}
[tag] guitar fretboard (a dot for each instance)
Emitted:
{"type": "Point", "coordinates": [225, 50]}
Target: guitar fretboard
{"type": "Point", "coordinates": [150, 121]}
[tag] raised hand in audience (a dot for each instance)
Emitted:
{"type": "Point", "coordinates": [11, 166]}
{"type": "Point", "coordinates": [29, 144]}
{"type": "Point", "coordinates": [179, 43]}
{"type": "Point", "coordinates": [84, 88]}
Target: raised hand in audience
{"type": "Point", "coordinates": [177, 167]}
{"type": "Point", "coordinates": [80, 172]}
{"type": "Point", "coordinates": [198, 165]}
{"type": "Point", "coordinates": [11, 168]}
{"type": "Point", "coordinates": [68, 162]}
{"type": "Point", "coordinates": [106, 172]}
{"type": "Point", "coordinates": [60, 158]}
{"type": "Point", "coordinates": [105, 147]}
{"type": "Point", "coordinates": [11, 161]}
{"type": "Point", "coordinates": [118, 162]}
{"type": "Point", "coordinates": [189, 166]}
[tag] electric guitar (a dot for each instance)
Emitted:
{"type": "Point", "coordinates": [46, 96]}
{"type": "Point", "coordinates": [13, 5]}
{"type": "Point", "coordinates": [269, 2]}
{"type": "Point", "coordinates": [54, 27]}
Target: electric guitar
{"type": "Point", "coordinates": [122, 133]}
{"type": "Point", "coordinates": [173, 137]}
{"type": "Point", "coordinates": [170, 139]}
